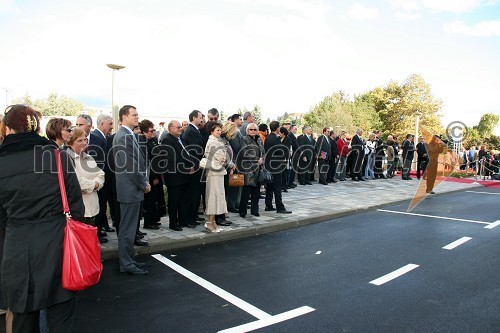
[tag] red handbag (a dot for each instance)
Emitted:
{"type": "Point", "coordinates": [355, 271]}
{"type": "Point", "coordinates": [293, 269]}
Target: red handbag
{"type": "Point", "coordinates": [82, 266]}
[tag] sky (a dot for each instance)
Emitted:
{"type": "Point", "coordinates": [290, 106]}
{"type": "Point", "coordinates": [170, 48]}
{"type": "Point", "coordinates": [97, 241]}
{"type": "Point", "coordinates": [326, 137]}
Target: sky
{"type": "Point", "coordinates": [283, 55]}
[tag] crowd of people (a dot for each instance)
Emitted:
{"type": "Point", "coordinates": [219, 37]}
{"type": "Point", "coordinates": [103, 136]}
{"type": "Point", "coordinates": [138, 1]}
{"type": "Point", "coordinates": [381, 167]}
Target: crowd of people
{"type": "Point", "coordinates": [126, 174]}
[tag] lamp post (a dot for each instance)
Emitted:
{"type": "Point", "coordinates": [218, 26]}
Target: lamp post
{"type": "Point", "coordinates": [418, 113]}
{"type": "Point", "coordinates": [114, 107]}
{"type": "Point", "coordinates": [6, 96]}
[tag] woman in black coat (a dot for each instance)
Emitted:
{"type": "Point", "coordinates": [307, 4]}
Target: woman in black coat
{"type": "Point", "coordinates": [249, 161]}
{"type": "Point", "coordinates": [31, 214]}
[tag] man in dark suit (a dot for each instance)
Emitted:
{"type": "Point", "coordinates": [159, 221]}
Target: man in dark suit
{"type": "Point", "coordinates": [275, 162]}
{"type": "Point", "coordinates": [323, 151]}
{"type": "Point", "coordinates": [131, 184]}
{"type": "Point", "coordinates": [358, 154]}
{"type": "Point", "coordinates": [379, 155]}
{"type": "Point", "coordinates": [422, 157]}
{"type": "Point", "coordinates": [171, 161]}
{"type": "Point", "coordinates": [408, 154]}
{"type": "Point", "coordinates": [333, 157]}
{"type": "Point", "coordinates": [292, 130]}
{"type": "Point", "coordinates": [233, 194]}
{"type": "Point", "coordinates": [97, 148]}
{"type": "Point", "coordinates": [304, 155]}
{"type": "Point", "coordinates": [195, 145]}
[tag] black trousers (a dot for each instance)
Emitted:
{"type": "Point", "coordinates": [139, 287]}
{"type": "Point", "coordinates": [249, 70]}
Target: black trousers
{"type": "Point", "coordinates": [193, 190]}
{"type": "Point", "coordinates": [421, 165]}
{"type": "Point", "coordinates": [332, 170]}
{"type": "Point", "coordinates": [304, 175]}
{"type": "Point", "coordinates": [178, 204]}
{"type": "Point", "coordinates": [275, 188]}
{"type": "Point", "coordinates": [150, 209]}
{"type": "Point", "coordinates": [323, 167]}
{"type": "Point", "coordinates": [61, 318]}
{"type": "Point", "coordinates": [407, 167]}
{"type": "Point", "coordinates": [101, 219]}
{"type": "Point", "coordinates": [254, 193]}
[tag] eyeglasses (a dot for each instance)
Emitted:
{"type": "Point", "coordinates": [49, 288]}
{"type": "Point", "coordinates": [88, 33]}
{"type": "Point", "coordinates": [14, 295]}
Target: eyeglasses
{"type": "Point", "coordinates": [252, 129]}
{"type": "Point", "coordinates": [151, 130]}
{"type": "Point", "coordinates": [69, 130]}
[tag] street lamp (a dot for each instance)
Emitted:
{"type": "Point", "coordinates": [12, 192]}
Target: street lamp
{"type": "Point", "coordinates": [418, 113]}
{"type": "Point", "coordinates": [114, 107]}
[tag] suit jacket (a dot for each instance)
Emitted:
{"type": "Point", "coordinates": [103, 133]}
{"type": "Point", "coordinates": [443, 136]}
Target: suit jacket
{"type": "Point", "coordinates": [408, 150]}
{"type": "Point", "coordinates": [307, 146]}
{"type": "Point", "coordinates": [195, 144]}
{"type": "Point", "coordinates": [98, 148]}
{"type": "Point", "coordinates": [333, 148]}
{"type": "Point", "coordinates": [293, 139]}
{"type": "Point", "coordinates": [276, 154]}
{"type": "Point", "coordinates": [171, 162]}
{"type": "Point", "coordinates": [130, 167]}
{"type": "Point", "coordinates": [323, 147]}
{"type": "Point", "coordinates": [236, 143]}
{"type": "Point", "coordinates": [421, 150]}
{"type": "Point", "coordinates": [357, 144]}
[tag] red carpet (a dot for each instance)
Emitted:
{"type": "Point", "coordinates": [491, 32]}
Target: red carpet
{"type": "Point", "coordinates": [485, 183]}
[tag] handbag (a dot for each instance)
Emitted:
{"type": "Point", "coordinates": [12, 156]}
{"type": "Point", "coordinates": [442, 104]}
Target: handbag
{"type": "Point", "coordinates": [236, 180]}
{"type": "Point", "coordinates": [264, 177]}
{"type": "Point", "coordinates": [82, 266]}
{"type": "Point", "coordinates": [203, 163]}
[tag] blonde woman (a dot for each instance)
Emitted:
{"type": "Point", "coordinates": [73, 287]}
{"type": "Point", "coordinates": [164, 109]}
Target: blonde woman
{"type": "Point", "coordinates": [228, 132]}
{"type": "Point", "coordinates": [90, 176]}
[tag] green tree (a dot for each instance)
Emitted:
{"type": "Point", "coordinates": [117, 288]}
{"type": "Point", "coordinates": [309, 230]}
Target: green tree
{"type": "Point", "coordinates": [398, 106]}
{"type": "Point", "coordinates": [487, 124]}
{"type": "Point", "coordinates": [330, 112]}
{"type": "Point", "coordinates": [53, 105]}
{"type": "Point", "coordinates": [256, 111]}
{"type": "Point", "coordinates": [364, 114]}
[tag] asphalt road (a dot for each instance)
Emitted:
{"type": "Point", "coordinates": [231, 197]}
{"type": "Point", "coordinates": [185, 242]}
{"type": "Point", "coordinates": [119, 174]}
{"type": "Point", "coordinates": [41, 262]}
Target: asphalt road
{"type": "Point", "coordinates": [328, 267]}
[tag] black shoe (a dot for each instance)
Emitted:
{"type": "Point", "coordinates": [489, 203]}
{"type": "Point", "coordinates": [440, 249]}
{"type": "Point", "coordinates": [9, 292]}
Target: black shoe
{"type": "Point", "coordinates": [139, 236]}
{"type": "Point", "coordinates": [175, 227]}
{"type": "Point", "coordinates": [233, 210]}
{"type": "Point", "coordinates": [140, 264]}
{"type": "Point", "coordinates": [284, 211]}
{"type": "Point", "coordinates": [200, 213]}
{"type": "Point", "coordinates": [157, 224]}
{"type": "Point", "coordinates": [342, 180]}
{"type": "Point", "coordinates": [256, 214]}
{"type": "Point", "coordinates": [152, 227]}
{"type": "Point", "coordinates": [200, 219]}
{"type": "Point", "coordinates": [383, 177]}
{"type": "Point", "coordinates": [103, 234]}
{"type": "Point", "coordinates": [302, 183]}
{"type": "Point", "coordinates": [243, 215]}
{"type": "Point", "coordinates": [138, 242]}
{"type": "Point", "coordinates": [285, 190]}
{"type": "Point", "coordinates": [137, 272]}
{"type": "Point", "coordinates": [223, 223]}
{"type": "Point", "coordinates": [355, 179]}
{"type": "Point", "coordinates": [308, 183]}
{"type": "Point", "coordinates": [293, 185]}
{"type": "Point", "coordinates": [142, 233]}
{"type": "Point", "coordinates": [361, 179]}
{"type": "Point", "coordinates": [270, 209]}
{"type": "Point", "coordinates": [334, 181]}
{"type": "Point", "coordinates": [108, 229]}
{"type": "Point", "coordinates": [103, 240]}
{"type": "Point", "coordinates": [191, 225]}
{"type": "Point", "coordinates": [323, 183]}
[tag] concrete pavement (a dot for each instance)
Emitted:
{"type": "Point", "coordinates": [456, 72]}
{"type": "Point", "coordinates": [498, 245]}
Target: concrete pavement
{"type": "Point", "coordinates": [309, 203]}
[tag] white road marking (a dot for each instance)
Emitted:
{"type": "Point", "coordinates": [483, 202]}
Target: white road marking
{"type": "Point", "coordinates": [482, 192]}
{"type": "Point", "coordinates": [456, 243]}
{"type": "Point", "coordinates": [318, 252]}
{"type": "Point", "coordinates": [492, 225]}
{"type": "Point", "coordinates": [270, 321]}
{"type": "Point", "coordinates": [391, 276]}
{"type": "Point", "coordinates": [432, 216]}
{"type": "Point", "coordinates": [265, 319]}
{"type": "Point", "coordinates": [247, 307]}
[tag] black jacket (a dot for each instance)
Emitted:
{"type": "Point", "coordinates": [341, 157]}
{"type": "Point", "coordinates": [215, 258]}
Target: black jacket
{"type": "Point", "coordinates": [277, 154]}
{"type": "Point", "coordinates": [323, 147]}
{"type": "Point", "coordinates": [31, 212]}
{"type": "Point", "coordinates": [194, 141]}
{"type": "Point", "coordinates": [171, 161]}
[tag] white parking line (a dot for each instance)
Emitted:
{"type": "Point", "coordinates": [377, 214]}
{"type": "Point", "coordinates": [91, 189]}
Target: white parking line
{"type": "Point", "coordinates": [432, 216]}
{"type": "Point", "coordinates": [456, 243]}
{"type": "Point", "coordinates": [492, 225]}
{"type": "Point", "coordinates": [482, 192]}
{"type": "Point", "coordinates": [265, 319]}
{"type": "Point", "coordinates": [391, 276]}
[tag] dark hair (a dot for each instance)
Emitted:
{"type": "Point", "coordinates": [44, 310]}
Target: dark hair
{"type": "Point", "coordinates": [287, 123]}
{"type": "Point", "coordinates": [235, 117]}
{"type": "Point", "coordinates": [124, 111]}
{"type": "Point", "coordinates": [21, 119]}
{"type": "Point", "coordinates": [77, 132]}
{"type": "Point", "coordinates": [274, 125]}
{"type": "Point", "coordinates": [214, 112]}
{"type": "Point", "coordinates": [325, 129]}
{"type": "Point", "coordinates": [193, 114]}
{"type": "Point", "coordinates": [145, 125]}
{"type": "Point", "coordinates": [263, 127]}
{"type": "Point", "coordinates": [283, 131]}
{"type": "Point", "coordinates": [212, 125]}
{"type": "Point", "coordinates": [408, 136]}
{"type": "Point", "coordinates": [55, 126]}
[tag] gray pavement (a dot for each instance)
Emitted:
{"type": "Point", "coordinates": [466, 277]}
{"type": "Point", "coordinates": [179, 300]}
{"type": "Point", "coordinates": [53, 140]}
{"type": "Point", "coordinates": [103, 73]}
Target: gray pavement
{"type": "Point", "coordinates": [310, 204]}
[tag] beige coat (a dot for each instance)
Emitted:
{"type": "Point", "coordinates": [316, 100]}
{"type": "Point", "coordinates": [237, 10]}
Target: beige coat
{"type": "Point", "coordinates": [88, 173]}
{"type": "Point", "coordinates": [390, 154]}
{"type": "Point", "coordinates": [217, 157]}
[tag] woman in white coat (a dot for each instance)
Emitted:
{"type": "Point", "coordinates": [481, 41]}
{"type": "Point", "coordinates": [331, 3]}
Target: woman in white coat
{"type": "Point", "coordinates": [90, 176]}
{"type": "Point", "coordinates": [217, 159]}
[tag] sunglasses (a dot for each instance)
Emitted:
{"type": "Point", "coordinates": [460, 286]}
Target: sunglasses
{"type": "Point", "coordinates": [252, 129]}
{"type": "Point", "coordinates": [69, 130]}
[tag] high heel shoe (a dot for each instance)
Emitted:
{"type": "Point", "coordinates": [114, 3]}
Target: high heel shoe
{"type": "Point", "coordinates": [214, 226]}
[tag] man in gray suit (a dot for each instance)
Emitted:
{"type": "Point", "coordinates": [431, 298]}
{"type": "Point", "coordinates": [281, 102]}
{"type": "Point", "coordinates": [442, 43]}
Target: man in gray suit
{"type": "Point", "coordinates": [131, 184]}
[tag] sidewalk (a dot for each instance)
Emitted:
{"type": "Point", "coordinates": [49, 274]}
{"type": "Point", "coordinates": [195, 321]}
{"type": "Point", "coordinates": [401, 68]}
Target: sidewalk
{"type": "Point", "coordinates": [310, 204]}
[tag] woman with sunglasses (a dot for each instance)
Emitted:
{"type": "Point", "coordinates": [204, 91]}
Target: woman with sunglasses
{"type": "Point", "coordinates": [59, 130]}
{"type": "Point", "coordinates": [31, 215]}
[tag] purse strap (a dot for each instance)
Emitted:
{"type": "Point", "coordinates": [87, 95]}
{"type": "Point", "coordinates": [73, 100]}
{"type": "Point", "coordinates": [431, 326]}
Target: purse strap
{"type": "Point", "coordinates": [62, 186]}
